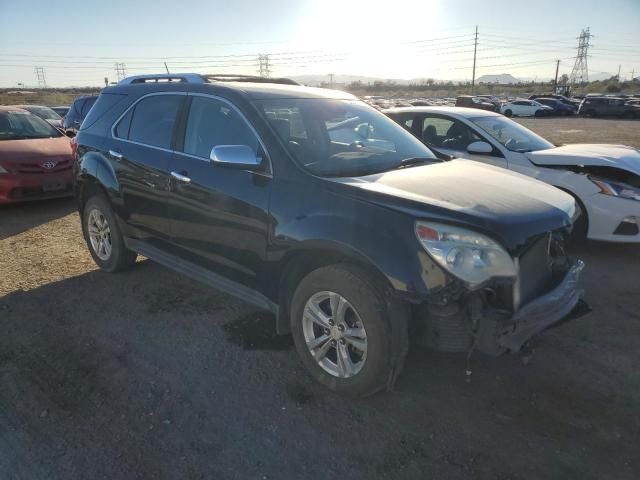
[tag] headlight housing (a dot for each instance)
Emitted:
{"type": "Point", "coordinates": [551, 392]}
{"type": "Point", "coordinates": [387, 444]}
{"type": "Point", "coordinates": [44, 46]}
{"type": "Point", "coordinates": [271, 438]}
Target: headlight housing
{"type": "Point", "coordinates": [468, 255]}
{"type": "Point", "coordinates": [616, 189]}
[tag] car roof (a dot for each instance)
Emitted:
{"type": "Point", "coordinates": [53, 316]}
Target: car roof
{"type": "Point", "coordinates": [453, 111]}
{"type": "Point", "coordinates": [254, 90]}
{"type": "Point", "coordinates": [11, 108]}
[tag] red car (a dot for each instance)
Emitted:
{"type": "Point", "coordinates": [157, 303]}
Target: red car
{"type": "Point", "coordinates": [35, 158]}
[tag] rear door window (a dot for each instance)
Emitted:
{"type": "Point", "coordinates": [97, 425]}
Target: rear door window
{"type": "Point", "coordinates": [153, 120]}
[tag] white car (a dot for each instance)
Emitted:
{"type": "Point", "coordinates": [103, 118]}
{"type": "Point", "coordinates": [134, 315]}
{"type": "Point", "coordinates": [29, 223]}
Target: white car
{"type": "Point", "coordinates": [525, 108]}
{"type": "Point", "coordinates": [604, 179]}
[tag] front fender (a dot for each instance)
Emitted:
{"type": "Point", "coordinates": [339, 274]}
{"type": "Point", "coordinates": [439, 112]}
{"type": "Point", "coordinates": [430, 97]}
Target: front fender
{"type": "Point", "coordinates": [382, 239]}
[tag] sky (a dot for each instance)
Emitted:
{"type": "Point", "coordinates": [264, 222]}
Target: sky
{"type": "Point", "coordinates": [78, 43]}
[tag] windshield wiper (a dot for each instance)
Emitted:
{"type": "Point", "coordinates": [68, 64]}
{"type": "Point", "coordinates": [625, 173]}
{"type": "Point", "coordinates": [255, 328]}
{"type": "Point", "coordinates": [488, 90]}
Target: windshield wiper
{"type": "Point", "coordinates": [411, 161]}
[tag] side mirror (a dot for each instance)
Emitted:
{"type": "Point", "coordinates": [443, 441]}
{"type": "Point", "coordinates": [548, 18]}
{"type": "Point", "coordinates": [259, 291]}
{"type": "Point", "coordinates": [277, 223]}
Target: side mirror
{"type": "Point", "coordinates": [479, 147]}
{"type": "Point", "coordinates": [238, 156]}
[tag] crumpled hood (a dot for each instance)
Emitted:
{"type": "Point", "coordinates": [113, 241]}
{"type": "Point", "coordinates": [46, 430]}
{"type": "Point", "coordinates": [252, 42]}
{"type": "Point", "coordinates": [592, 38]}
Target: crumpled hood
{"type": "Point", "coordinates": [619, 156]}
{"type": "Point", "coordinates": [34, 149]}
{"type": "Point", "coordinates": [506, 205]}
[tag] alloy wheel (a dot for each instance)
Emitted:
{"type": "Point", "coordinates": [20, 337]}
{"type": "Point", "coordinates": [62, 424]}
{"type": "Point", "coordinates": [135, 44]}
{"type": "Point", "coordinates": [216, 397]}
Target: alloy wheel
{"type": "Point", "coordinates": [99, 234]}
{"type": "Point", "coordinates": [334, 334]}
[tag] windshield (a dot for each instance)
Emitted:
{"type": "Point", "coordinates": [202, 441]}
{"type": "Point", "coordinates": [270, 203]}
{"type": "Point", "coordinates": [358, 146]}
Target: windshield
{"type": "Point", "coordinates": [19, 125]}
{"type": "Point", "coordinates": [337, 138]}
{"type": "Point", "coordinates": [511, 135]}
{"type": "Point", "coordinates": [43, 112]}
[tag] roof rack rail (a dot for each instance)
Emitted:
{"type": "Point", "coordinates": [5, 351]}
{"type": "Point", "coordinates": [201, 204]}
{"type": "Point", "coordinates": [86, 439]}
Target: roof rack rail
{"type": "Point", "coordinates": [197, 78]}
{"type": "Point", "coordinates": [163, 77]}
{"type": "Point", "coordinates": [231, 77]}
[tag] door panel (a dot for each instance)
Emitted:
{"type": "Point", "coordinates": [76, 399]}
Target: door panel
{"type": "Point", "coordinates": [452, 137]}
{"type": "Point", "coordinates": [141, 151]}
{"type": "Point", "coordinates": [220, 217]}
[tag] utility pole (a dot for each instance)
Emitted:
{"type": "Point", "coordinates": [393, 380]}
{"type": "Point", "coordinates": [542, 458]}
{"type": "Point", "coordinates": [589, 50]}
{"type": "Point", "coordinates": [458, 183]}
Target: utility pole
{"type": "Point", "coordinates": [618, 76]}
{"type": "Point", "coordinates": [580, 72]}
{"type": "Point", "coordinates": [120, 71]}
{"type": "Point", "coordinates": [42, 81]}
{"type": "Point", "coordinates": [632, 74]}
{"type": "Point", "coordinates": [263, 65]}
{"type": "Point", "coordinates": [331, 80]}
{"type": "Point", "coordinates": [475, 48]}
{"type": "Point", "coordinates": [555, 82]}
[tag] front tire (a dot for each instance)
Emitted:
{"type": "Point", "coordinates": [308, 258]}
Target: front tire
{"type": "Point", "coordinates": [103, 236]}
{"type": "Point", "coordinates": [580, 227]}
{"type": "Point", "coordinates": [508, 113]}
{"type": "Point", "coordinates": [350, 334]}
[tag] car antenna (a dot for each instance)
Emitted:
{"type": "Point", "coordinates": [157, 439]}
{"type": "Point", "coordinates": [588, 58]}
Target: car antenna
{"type": "Point", "coordinates": [165, 66]}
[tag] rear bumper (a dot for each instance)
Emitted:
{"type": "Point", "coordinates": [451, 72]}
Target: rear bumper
{"type": "Point", "coordinates": [543, 312]}
{"type": "Point", "coordinates": [25, 187]}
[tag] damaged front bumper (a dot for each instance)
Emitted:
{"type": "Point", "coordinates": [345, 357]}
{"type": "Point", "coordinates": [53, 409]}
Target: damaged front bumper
{"type": "Point", "coordinates": [471, 324]}
{"type": "Point", "coordinates": [543, 312]}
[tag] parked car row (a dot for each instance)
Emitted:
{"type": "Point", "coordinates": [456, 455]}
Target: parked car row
{"type": "Point", "coordinates": [349, 224]}
{"type": "Point", "coordinates": [609, 107]}
{"type": "Point", "coordinates": [558, 105]}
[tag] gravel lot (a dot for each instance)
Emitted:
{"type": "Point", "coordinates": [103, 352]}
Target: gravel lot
{"type": "Point", "coordinates": [147, 374]}
{"type": "Point", "coordinates": [585, 130]}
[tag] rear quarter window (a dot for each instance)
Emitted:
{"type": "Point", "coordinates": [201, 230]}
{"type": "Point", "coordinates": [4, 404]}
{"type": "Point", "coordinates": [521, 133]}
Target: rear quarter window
{"type": "Point", "coordinates": [105, 102]}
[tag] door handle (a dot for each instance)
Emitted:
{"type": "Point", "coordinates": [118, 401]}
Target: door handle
{"type": "Point", "coordinates": [180, 177]}
{"type": "Point", "coordinates": [116, 155]}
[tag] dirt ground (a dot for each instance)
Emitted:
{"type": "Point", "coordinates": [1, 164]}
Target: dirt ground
{"type": "Point", "coordinates": [147, 374]}
{"type": "Point", "coordinates": [585, 130]}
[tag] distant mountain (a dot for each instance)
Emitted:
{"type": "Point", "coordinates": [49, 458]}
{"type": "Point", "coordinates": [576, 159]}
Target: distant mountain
{"type": "Point", "coordinates": [314, 80]}
{"type": "Point", "coordinates": [502, 79]}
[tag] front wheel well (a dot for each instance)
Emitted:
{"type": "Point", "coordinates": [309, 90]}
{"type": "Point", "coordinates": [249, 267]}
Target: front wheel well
{"type": "Point", "coordinates": [302, 263]}
{"type": "Point", "coordinates": [583, 209]}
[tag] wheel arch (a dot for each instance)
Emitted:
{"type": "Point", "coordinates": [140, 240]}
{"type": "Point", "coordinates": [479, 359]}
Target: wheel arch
{"type": "Point", "coordinates": [308, 257]}
{"type": "Point", "coordinates": [95, 174]}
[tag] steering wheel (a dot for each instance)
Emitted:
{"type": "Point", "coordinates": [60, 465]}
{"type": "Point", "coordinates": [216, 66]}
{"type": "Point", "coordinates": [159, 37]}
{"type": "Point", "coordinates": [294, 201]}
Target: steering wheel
{"type": "Point", "coordinates": [510, 143]}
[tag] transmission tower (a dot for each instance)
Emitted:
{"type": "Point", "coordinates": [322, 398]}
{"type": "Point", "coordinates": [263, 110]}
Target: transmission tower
{"type": "Point", "coordinates": [42, 81]}
{"type": "Point", "coordinates": [264, 69]}
{"type": "Point", "coordinates": [580, 72]}
{"type": "Point", "coordinates": [120, 71]}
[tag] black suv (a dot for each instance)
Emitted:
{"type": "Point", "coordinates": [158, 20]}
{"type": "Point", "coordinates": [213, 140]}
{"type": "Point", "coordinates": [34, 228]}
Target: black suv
{"type": "Point", "coordinates": [608, 107]}
{"type": "Point", "coordinates": [475, 102]}
{"type": "Point", "coordinates": [311, 204]}
{"type": "Point", "coordinates": [76, 113]}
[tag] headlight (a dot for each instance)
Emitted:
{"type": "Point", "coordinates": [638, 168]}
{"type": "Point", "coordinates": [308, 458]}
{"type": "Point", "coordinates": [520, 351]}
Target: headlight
{"type": "Point", "coordinates": [470, 256]}
{"type": "Point", "coordinates": [2, 170]}
{"type": "Point", "coordinates": [616, 189]}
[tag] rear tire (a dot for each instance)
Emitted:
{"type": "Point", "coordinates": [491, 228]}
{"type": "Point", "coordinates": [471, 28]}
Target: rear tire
{"type": "Point", "coordinates": [373, 359]}
{"type": "Point", "coordinates": [103, 236]}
